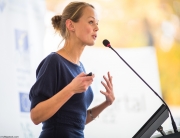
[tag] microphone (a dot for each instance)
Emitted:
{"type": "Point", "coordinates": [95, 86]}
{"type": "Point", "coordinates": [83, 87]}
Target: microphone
{"type": "Point", "coordinates": [106, 43]}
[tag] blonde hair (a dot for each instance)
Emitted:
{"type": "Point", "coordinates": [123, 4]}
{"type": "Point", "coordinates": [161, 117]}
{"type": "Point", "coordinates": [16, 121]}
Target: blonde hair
{"type": "Point", "coordinates": [73, 11]}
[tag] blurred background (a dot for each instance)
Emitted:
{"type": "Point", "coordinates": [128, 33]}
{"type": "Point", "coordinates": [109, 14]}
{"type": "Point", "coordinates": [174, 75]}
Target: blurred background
{"type": "Point", "coordinates": [145, 32]}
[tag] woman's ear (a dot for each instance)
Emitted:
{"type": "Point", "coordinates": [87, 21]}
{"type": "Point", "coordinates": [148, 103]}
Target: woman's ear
{"type": "Point", "coordinates": [70, 25]}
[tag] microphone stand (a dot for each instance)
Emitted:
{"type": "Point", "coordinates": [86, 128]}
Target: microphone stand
{"type": "Point", "coordinates": [172, 119]}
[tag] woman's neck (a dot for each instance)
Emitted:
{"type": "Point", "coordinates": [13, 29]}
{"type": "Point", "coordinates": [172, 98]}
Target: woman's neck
{"type": "Point", "coordinates": [72, 52]}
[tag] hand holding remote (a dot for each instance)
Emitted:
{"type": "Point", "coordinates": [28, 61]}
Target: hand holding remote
{"type": "Point", "coordinates": [89, 74]}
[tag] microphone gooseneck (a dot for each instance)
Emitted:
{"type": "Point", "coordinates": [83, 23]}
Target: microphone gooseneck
{"type": "Point", "coordinates": [106, 43]}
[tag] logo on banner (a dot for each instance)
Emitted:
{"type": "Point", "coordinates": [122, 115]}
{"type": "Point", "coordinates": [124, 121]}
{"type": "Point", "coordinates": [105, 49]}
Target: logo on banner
{"type": "Point", "coordinates": [21, 40]}
{"type": "Point", "coordinates": [2, 5]}
{"type": "Point", "coordinates": [24, 102]}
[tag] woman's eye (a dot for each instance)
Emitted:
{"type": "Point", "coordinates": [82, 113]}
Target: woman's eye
{"type": "Point", "coordinates": [91, 22]}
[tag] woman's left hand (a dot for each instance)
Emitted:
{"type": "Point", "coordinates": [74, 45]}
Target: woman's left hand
{"type": "Point", "coordinates": [109, 89]}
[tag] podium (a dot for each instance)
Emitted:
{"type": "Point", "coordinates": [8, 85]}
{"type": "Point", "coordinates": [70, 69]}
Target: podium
{"type": "Point", "coordinates": [174, 135]}
{"type": "Point", "coordinates": [154, 123]}
{"type": "Point", "coordinates": [170, 134]}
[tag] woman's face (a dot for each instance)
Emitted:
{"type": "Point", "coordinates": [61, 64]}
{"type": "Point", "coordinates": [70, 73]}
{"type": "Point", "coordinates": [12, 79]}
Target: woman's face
{"type": "Point", "coordinates": [87, 26]}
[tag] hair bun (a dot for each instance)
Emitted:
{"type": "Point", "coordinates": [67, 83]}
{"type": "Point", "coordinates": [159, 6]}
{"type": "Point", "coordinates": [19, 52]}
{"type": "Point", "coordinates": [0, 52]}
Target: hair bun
{"type": "Point", "coordinates": [56, 21]}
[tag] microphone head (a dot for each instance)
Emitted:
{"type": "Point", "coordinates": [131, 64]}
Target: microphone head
{"type": "Point", "coordinates": [106, 43]}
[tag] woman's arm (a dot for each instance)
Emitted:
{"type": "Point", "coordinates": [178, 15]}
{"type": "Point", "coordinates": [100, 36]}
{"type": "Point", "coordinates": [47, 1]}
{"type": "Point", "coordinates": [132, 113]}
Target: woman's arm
{"type": "Point", "coordinates": [109, 94]}
{"type": "Point", "coordinates": [95, 111]}
{"type": "Point", "coordinates": [46, 109]}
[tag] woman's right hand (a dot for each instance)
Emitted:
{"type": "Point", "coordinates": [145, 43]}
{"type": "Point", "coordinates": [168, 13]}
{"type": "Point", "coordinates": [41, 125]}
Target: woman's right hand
{"type": "Point", "coordinates": [81, 83]}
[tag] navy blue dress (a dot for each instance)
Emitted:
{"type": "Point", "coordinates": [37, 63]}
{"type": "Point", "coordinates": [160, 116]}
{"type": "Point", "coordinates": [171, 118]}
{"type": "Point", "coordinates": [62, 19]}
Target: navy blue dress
{"type": "Point", "coordinates": [53, 74]}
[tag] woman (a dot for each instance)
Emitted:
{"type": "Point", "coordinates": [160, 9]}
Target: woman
{"type": "Point", "coordinates": [62, 94]}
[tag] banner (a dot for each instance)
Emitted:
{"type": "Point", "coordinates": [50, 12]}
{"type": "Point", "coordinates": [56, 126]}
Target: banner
{"type": "Point", "coordinates": [21, 43]}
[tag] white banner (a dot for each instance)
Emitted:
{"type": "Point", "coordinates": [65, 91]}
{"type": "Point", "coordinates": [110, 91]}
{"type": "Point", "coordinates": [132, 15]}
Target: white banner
{"type": "Point", "coordinates": [21, 43]}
